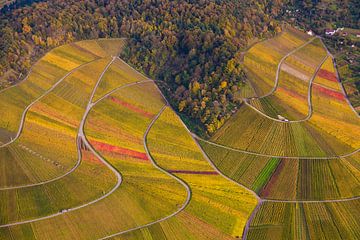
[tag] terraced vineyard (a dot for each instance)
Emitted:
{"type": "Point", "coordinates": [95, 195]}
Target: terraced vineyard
{"type": "Point", "coordinates": [90, 149]}
{"type": "Point", "coordinates": [295, 145]}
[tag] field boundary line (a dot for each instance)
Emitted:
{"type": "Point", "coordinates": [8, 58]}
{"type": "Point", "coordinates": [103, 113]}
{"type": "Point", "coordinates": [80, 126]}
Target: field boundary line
{"type": "Point", "coordinates": [274, 156]}
{"type": "Point", "coordinates": [250, 219]}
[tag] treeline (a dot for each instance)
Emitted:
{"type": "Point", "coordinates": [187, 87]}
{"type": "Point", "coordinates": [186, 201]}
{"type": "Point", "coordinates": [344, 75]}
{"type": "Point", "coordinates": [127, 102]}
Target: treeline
{"type": "Point", "coordinates": [193, 47]}
{"type": "Point", "coordinates": [8, 5]}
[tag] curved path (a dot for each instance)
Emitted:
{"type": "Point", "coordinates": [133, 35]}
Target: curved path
{"type": "Point", "coordinates": [155, 164]}
{"type": "Point", "coordinates": [302, 120]}
{"type": "Point", "coordinates": [119, 180]}
{"type": "Point", "coordinates": [169, 174]}
{"type": "Point", "coordinates": [261, 201]}
{"type": "Point", "coordinates": [82, 137]}
{"type": "Point", "coordinates": [251, 218]}
{"type": "Point", "coordinates": [273, 156]}
{"type": "Point", "coordinates": [279, 67]}
{"type": "Point", "coordinates": [22, 120]}
{"type": "Point", "coordinates": [309, 99]}
{"type": "Point", "coordinates": [310, 111]}
{"type": "Point", "coordinates": [266, 199]}
{"type": "Point", "coordinates": [80, 133]}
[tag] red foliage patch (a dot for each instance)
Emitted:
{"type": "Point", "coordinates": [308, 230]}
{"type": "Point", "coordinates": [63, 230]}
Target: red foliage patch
{"type": "Point", "coordinates": [119, 150]}
{"type": "Point", "coordinates": [194, 172]}
{"type": "Point", "coordinates": [132, 107]}
{"type": "Point", "coordinates": [329, 92]}
{"type": "Point", "coordinates": [89, 157]}
{"type": "Point", "coordinates": [327, 75]}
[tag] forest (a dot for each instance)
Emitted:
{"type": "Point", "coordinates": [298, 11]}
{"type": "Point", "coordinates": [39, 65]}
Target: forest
{"type": "Point", "coordinates": [192, 48]}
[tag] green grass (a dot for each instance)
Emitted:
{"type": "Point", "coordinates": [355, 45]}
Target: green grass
{"type": "Point", "coordinates": [265, 174]}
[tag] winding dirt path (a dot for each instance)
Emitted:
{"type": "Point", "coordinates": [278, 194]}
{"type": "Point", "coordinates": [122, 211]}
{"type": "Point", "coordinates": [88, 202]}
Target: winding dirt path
{"type": "Point", "coordinates": [80, 137]}
{"type": "Point", "coordinates": [309, 99]}
{"type": "Point", "coordinates": [80, 132]}
{"type": "Point", "coordinates": [169, 174]}
{"type": "Point", "coordinates": [272, 156]}
{"type": "Point", "coordinates": [262, 200]}
{"type": "Point", "coordinates": [22, 120]}
{"type": "Point", "coordinates": [276, 83]}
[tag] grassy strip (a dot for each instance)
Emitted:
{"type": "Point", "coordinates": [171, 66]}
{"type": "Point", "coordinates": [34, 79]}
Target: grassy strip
{"type": "Point", "coordinates": [265, 174]}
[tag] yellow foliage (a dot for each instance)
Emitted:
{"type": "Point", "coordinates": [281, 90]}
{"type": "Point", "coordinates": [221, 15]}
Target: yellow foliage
{"type": "Point", "coordinates": [223, 84]}
{"type": "Point", "coordinates": [26, 28]}
{"type": "Point", "coordinates": [182, 105]}
{"type": "Point", "coordinates": [195, 87]}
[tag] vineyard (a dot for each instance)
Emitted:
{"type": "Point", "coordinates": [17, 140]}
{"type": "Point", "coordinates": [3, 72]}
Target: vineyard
{"type": "Point", "coordinates": [334, 220]}
{"type": "Point", "coordinates": [261, 60]}
{"type": "Point", "coordinates": [295, 143]}
{"type": "Point", "coordinates": [91, 149]}
{"type": "Point", "coordinates": [290, 99]}
{"type": "Point", "coordinates": [94, 151]}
